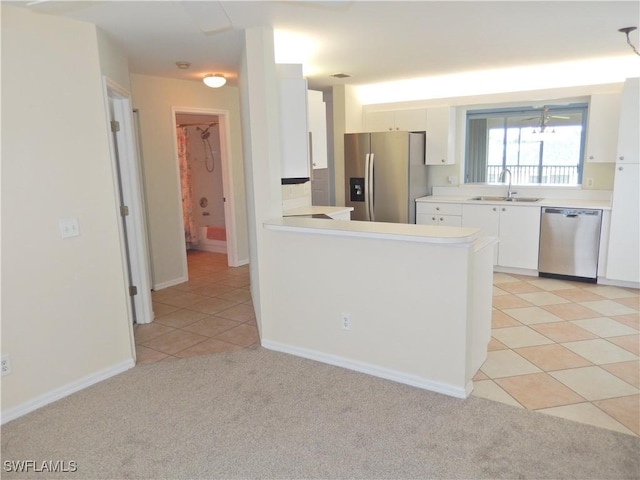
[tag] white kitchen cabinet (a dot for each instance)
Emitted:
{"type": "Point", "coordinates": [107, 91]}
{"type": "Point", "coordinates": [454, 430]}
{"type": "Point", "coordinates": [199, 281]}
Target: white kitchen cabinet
{"type": "Point", "coordinates": [317, 130]}
{"type": "Point", "coordinates": [440, 147]}
{"type": "Point", "coordinates": [412, 120]}
{"type": "Point", "coordinates": [623, 260]}
{"type": "Point", "coordinates": [294, 132]}
{"type": "Point", "coordinates": [602, 128]}
{"type": "Point", "coordinates": [444, 214]}
{"type": "Point", "coordinates": [629, 126]}
{"type": "Point", "coordinates": [517, 228]}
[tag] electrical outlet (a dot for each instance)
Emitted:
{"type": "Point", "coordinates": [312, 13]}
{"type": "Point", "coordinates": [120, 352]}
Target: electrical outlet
{"type": "Point", "coordinates": [5, 365]}
{"type": "Point", "coordinates": [589, 182]}
{"type": "Point", "coordinates": [346, 321]}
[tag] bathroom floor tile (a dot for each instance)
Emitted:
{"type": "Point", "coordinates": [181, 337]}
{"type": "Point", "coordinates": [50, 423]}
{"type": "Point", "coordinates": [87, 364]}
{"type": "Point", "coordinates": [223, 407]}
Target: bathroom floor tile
{"type": "Point", "coordinates": [532, 315]}
{"type": "Point", "coordinates": [514, 337]}
{"type": "Point", "coordinates": [210, 326]}
{"type": "Point", "coordinates": [594, 383]}
{"type": "Point", "coordinates": [239, 313]}
{"type": "Point", "coordinates": [146, 356]}
{"type": "Point", "coordinates": [600, 351]}
{"type": "Point", "coordinates": [552, 357]}
{"type": "Point", "coordinates": [212, 305]}
{"type": "Point", "coordinates": [538, 390]}
{"type": "Point", "coordinates": [163, 309]}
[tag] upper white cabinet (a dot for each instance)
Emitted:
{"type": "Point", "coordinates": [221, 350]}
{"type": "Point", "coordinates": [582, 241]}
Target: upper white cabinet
{"type": "Point", "coordinates": [317, 130]}
{"type": "Point", "coordinates": [629, 123]}
{"type": "Point", "coordinates": [440, 148]}
{"type": "Point", "coordinates": [517, 228]}
{"type": "Point", "coordinates": [602, 128]}
{"type": "Point", "coordinates": [413, 120]}
{"type": "Point", "coordinates": [294, 133]}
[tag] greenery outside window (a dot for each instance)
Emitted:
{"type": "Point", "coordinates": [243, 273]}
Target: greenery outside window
{"type": "Point", "coordinates": [539, 146]}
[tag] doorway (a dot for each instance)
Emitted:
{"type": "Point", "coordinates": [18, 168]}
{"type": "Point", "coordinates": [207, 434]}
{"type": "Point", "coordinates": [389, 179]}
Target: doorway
{"type": "Point", "coordinates": [201, 182]}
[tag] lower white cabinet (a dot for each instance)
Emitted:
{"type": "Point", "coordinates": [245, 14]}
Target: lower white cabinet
{"type": "Point", "coordinates": [445, 214]}
{"type": "Point", "coordinates": [517, 228]}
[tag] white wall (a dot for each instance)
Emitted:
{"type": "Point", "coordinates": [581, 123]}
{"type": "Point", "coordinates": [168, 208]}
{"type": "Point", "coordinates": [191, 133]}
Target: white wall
{"type": "Point", "coordinates": [64, 302]}
{"type": "Point", "coordinates": [154, 97]}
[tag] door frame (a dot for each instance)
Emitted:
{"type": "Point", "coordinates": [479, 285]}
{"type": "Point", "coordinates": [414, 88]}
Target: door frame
{"type": "Point", "coordinates": [227, 178]}
{"type": "Point", "coordinates": [131, 183]}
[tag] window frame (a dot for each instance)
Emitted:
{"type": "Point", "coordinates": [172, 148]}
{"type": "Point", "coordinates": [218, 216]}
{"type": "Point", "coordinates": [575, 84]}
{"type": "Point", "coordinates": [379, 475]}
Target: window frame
{"type": "Point", "coordinates": [515, 111]}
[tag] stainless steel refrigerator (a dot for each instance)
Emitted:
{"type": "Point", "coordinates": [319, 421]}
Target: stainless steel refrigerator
{"type": "Point", "coordinates": [384, 173]}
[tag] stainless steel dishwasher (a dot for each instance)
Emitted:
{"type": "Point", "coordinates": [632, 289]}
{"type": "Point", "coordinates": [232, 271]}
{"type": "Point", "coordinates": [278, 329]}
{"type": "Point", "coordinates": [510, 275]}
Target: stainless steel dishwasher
{"type": "Point", "coordinates": [569, 243]}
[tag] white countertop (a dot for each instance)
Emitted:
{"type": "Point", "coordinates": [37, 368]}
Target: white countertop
{"type": "Point", "coordinates": [392, 231]}
{"type": "Point", "coordinates": [316, 209]}
{"type": "Point", "coordinates": [545, 202]}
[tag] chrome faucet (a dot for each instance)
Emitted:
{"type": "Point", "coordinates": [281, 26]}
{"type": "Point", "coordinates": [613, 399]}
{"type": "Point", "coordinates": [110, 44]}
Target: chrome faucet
{"type": "Point", "coordinates": [501, 179]}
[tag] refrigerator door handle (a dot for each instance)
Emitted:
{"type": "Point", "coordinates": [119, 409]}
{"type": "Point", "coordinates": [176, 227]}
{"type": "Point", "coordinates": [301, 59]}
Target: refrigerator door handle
{"type": "Point", "coordinates": [366, 186]}
{"type": "Point", "coordinates": [372, 215]}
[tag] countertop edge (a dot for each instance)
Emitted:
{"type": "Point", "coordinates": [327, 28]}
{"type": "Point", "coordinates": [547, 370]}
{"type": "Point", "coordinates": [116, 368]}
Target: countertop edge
{"type": "Point", "coordinates": [453, 236]}
{"type": "Point", "coordinates": [545, 202]}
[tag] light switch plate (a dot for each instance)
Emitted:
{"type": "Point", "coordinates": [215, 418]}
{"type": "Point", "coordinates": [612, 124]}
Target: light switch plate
{"type": "Point", "coordinates": [69, 227]}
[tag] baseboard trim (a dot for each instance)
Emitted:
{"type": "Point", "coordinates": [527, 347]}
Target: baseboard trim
{"type": "Point", "coordinates": [369, 369]}
{"type": "Point", "coordinates": [58, 393]}
{"type": "Point", "coordinates": [618, 283]}
{"type": "Point", "coordinates": [170, 283]}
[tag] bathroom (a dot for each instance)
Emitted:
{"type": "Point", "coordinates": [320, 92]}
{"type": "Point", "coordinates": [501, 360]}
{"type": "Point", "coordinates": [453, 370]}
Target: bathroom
{"type": "Point", "coordinates": [199, 159]}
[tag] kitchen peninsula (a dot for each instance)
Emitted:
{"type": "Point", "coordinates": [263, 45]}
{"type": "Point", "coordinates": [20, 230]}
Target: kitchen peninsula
{"type": "Point", "coordinates": [410, 303]}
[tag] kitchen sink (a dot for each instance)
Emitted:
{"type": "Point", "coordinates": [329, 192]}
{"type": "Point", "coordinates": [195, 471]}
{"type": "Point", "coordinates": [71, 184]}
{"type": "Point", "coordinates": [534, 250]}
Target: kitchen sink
{"type": "Point", "coordinates": [494, 199]}
{"type": "Point", "coordinates": [505, 199]}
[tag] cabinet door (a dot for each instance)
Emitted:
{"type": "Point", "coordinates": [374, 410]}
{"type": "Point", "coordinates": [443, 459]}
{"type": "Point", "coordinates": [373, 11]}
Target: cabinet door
{"type": "Point", "coordinates": [628, 150]}
{"type": "Point", "coordinates": [450, 220]}
{"type": "Point", "coordinates": [602, 127]}
{"type": "Point", "coordinates": [426, 219]}
{"type": "Point", "coordinates": [519, 237]}
{"type": "Point", "coordinates": [623, 260]}
{"type": "Point", "coordinates": [484, 217]}
{"type": "Point", "coordinates": [440, 148]}
{"type": "Point", "coordinates": [294, 132]}
{"type": "Point", "coordinates": [317, 130]}
{"type": "Point", "coordinates": [379, 121]}
{"type": "Point", "coordinates": [414, 120]}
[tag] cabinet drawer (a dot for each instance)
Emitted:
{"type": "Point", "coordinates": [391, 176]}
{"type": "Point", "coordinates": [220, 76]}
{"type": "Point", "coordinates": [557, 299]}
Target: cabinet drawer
{"type": "Point", "coordinates": [439, 208]}
{"type": "Point", "coordinates": [434, 219]}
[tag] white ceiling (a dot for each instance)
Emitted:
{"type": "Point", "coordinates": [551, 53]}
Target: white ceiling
{"type": "Point", "coordinates": [372, 41]}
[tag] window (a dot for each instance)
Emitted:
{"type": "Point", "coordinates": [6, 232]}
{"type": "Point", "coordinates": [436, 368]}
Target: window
{"type": "Point", "coordinates": [539, 146]}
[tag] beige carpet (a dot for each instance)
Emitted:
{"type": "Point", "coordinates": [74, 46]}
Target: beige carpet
{"type": "Point", "coordinates": [261, 414]}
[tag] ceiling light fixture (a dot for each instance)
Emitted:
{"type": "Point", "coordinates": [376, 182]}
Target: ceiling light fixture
{"type": "Point", "coordinates": [214, 81]}
{"type": "Point", "coordinates": [627, 31]}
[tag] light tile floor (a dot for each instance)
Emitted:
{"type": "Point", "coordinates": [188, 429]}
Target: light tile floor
{"type": "Point", "coordinates": [567, 349]}
{"type": "Point", "coordinates": [210, 313]}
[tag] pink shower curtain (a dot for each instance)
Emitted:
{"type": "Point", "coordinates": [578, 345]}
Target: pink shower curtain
{"type": "Point", "coordinates": [186, 186]}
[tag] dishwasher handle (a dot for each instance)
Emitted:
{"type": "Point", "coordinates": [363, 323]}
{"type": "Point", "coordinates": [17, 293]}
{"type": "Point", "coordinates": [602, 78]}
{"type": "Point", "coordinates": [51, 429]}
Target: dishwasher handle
{"type": "Point", "coordinates": [569, 212]}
